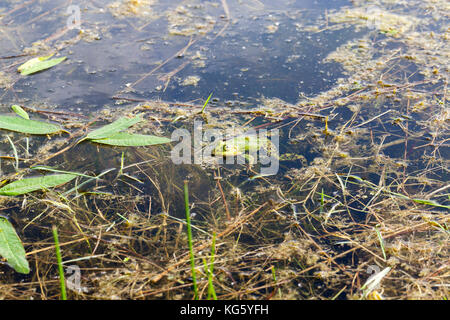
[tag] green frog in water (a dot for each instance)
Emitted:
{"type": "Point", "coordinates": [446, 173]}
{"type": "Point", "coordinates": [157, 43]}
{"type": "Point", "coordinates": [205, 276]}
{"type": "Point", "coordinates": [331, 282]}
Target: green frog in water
{"type": "Point", "coordinates": [246, 146]}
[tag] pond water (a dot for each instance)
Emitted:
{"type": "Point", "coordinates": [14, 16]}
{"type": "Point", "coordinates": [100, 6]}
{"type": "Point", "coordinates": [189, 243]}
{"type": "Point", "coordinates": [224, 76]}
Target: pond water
{"type": "Point", "coordinates": [355, 90]}
{"type": "Point", "coordinates": [261, 51]}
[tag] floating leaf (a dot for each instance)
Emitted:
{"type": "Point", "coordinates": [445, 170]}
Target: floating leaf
{"type": "Point", "coordinates": [113, 128]}
{"type": "Point", "coordinates": [18, 109]}
{"type": "Point", "coordinates": [11, 247]}
{"type": "Point", "coordinates": [33, 62]}
{"type": "Point", "coordinates": [123, 139]}
{"type": "Point", "coordinates": [36, 183]}
{"type": "Point", "coordinates": [27, 126]}
{"type": "Point", "coordinates": [39, 64]}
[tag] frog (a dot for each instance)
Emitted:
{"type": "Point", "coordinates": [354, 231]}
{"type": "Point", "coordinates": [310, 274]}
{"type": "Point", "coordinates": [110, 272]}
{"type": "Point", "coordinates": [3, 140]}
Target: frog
{"type": "Point", "coordinates": [246, 146]}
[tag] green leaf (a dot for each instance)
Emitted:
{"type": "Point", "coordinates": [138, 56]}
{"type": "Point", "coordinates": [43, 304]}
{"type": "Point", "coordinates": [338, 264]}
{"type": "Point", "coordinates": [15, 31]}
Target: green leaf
{"type": "Point", "coordinates": [27, 126]}
{"type": "Point", "coordinates": [11, 247]}
{"type": "Point", "coordinates": [38, 64]}
{"type": "Point", "coordinates": [123, 139]}
{"type": "Point", "coordinates": [33, 62]}
{"type": "Point", "coordinates": [27, 185]}
{"type": "Point", "coordinates": [18, 109]}
{"type": "Point", "coordinates": [113, 128]}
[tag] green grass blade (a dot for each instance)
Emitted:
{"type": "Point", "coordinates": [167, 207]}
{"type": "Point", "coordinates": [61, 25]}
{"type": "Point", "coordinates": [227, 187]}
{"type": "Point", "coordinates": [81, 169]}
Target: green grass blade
{"type": "Point", "coordinates": [62, 281]}
{"type": "Point", "coordinates": [274, 277]}
{"type": "Point", "coordinates": [322, 202]}
{"type": "Point", "coordinates": [11, 247]}
{"type": "Point", "coordinates": [210, 270]}
{"type": "Point", "coordinates": [28, 126]}
{"type": "Point", "coordinates": [430, 203]}
{"type": "Point", "coordinates": [189, 231]}
{"type": "Point", "coordinates": [74, 189]}
{"type": "Point", "coordinates": [50, 169]}
{"type": "Point", "coordinates": [206, 103]}
{"type": "Point", "coordinates": [28, 185]}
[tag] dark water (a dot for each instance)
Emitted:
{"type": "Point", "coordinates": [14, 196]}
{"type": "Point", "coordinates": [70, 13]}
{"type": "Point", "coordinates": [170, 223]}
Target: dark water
{"type": "Point", "coordinates": [263, 52]}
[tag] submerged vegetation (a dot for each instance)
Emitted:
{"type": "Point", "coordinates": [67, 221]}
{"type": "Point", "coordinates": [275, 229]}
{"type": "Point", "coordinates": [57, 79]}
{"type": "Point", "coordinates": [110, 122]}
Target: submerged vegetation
{"type": "Point", "coordinates": [358, 209]}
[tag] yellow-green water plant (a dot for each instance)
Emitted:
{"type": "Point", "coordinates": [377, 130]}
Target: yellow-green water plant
{"type": "Point", "coordinates": [11, 247]}
{"type": "Point", "coordinates": [39, 64]}
{"type": "Point", "coordinates": [23, 125]}
{"type": "Point", "coordinates": [206, 103]}
{"type": "Point", "coordinates": [112, 128]}
{"type": "Point", "coordinates": [112, 134]}
{"type": "Point", "coordinates": [28, 185]}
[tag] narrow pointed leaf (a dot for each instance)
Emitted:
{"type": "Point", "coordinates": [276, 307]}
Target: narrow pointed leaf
{"type": "Point", "coordinates": [430, 203]}
{"type": "Point", "coordinates": [11, 247]}
{"type": "Point", "coordinates": [18, 109]}
{"type": "Point", "coordinates": [123, 139]}
{"type": "Point", "coordinates": [206, 103]}
{"type": "Point", "coordinates": [27, 126]}
{"type": "Point", "coordinates": [113, 128]}
{"type": "Point", "coordinates": [41, 65]}
{"type": "Point", "coordinates": [45, 168]}
{"type": "Point", "coordinates": [27, 185]}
